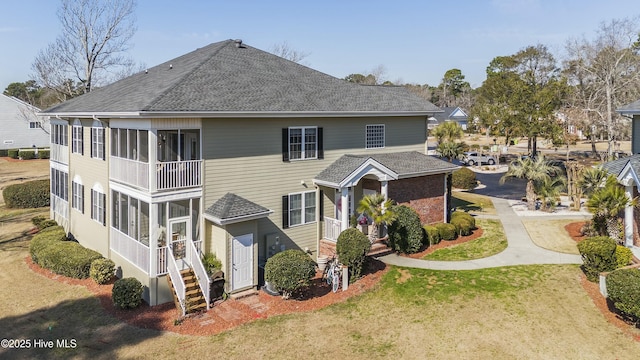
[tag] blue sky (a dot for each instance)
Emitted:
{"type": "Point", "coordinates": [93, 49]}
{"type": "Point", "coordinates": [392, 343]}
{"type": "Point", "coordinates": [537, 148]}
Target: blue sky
{"type": "Point", "coordinates": [416, 41]}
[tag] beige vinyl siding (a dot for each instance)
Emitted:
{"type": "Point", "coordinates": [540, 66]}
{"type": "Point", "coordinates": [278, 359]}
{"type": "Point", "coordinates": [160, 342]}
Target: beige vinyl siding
{"type": "Point", "coordinates": [244, 156]}
{"type": "Point", "coordinates": [216, 238]}
{"type": "Point", "coordinates": [87, 231]}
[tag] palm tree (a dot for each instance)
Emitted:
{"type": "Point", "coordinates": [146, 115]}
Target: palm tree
{"type": "Point", "coordinates": [592, 179]}
{"type": "Point", "coordinates": [450, 150]}
{"type": "Point", "coordinates": [549, 190]}
{"type": "Point", "coordinates": [606, 203]}
{"type": "Point", "coordinates": [531, 170]}
{"type": "Point", "coordinates": [379, 210]}
{"type": "Point", "coordinates": [448, 130]}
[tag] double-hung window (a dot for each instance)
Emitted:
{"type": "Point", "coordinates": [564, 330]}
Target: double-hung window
{"type": "Point", "coordinates": [300, 143]}
{"type": "Point", "coordinates": [300, 208]}
{"type": "Point", "coordinates": [77, 196]}
{"type": "Point", "coordinates": [77, 145]}
{"type": "Point", "coordinates": [374, 136]}
{"type": "Point", "coordinates": [98, 212]}
{"type": "Point", "coordinates": [97, 140]}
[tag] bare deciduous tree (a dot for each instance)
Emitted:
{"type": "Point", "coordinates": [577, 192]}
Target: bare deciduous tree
{"type": "Point", "coordinates": [606, 72]}
{"type": "Point", "coordinates": [91, 49]}
{"type": "Point", "coordinates": [284, 50]}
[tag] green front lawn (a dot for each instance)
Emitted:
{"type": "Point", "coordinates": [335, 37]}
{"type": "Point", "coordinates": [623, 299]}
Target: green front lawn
{"type": "Point", "coordinates": [492, 241]}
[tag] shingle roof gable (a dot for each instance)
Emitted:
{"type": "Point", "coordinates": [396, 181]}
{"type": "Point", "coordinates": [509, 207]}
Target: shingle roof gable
{"type": "Point", "coordinates": [223, 77]}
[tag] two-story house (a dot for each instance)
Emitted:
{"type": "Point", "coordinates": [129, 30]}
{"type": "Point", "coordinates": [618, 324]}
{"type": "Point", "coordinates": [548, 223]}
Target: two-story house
{"type": "Point", "coordinates": [234, 151]}
{"type": "Point", "coordinates": [21, 128]}
{"type": "Point", "coordinates": [627, 171]}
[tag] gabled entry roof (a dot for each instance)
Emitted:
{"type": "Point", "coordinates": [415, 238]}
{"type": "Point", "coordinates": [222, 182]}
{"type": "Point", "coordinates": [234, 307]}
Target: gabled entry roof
{"type": "Point", "coordinates": [349, 169]}
{"type": "Point", "coordinates": [625, 170]}
{"type": "Point", "coordinates": [232, 208]}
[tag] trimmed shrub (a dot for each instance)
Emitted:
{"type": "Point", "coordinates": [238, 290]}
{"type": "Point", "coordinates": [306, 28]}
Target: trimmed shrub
{"type": "Point", "coordinates": [623, 256]}
{"type": "Point", "coordinates": [43, 154]}
{"type": "Point", "coordinates": [465, 215]}
{"type": "Point", "coordinates": [42, 222]}
{"type": "Point", "coordinates": [405, 233]}
{"type": "Point", "coordinates": [598, 255]}
{"type": "Point", "coordinates": [352, 247]}
{"type": "Point", "coordinates": [43, 239]}
{"type": "Point", "coordinates": [49, 249]}
{"type": "Point", "coordinates": [127, 293]}
{"type": "Point", "coordinates": [13, 153]}
{"type": "Point", "coordinates": [623, 288]}
{"type": "Point", "coordinates": [27, 154]}
{"type": "Point", "coordinates": [32, 194]}
{"type": "Point", "coordinates": [447, 231]}
{"type": "Point", "coordinates": [102, 270]}
{"type": "Point", "coordinates": [464, 178]}
{"type": "Point", "coordinates": [462, 224]}
{"type": "Point", "coordinates": [289, 271]}
{"type": "Point", "coordinates": [432, 234]}
{"type": "Point", "coordinates": [4, 152]}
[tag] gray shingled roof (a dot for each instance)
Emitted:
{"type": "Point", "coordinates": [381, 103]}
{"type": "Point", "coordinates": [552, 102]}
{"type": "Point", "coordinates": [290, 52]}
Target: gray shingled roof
{"type": "Point", "coordinates": [614, 167]}
{"type": "Point", "coordinates": [633, 108]}
{"type": "Point", "coordinates": [402, 163]}
{"type": "Point", "coordinates": [232, 206]}
{"type": "Point", "coordinates": [222, 77]}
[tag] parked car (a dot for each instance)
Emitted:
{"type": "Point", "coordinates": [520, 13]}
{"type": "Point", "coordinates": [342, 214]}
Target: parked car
{"type": "Point", "coordinates": [472, 158]}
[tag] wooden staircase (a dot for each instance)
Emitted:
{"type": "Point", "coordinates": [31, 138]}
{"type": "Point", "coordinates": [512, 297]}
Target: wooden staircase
{"type": "Point", "coordinates": [194, 299]}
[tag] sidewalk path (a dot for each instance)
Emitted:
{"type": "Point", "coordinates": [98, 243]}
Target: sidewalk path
{"type": "Point", "coordinates": [520, 250]}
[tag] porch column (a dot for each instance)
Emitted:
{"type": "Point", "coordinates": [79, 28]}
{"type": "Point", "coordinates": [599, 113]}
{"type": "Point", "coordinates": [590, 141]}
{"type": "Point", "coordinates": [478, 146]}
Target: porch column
{"type": "Point", "coordinates": [344, 208]}
{"type": "Point", "coordinates": [628, 218]}
{"type": "Point", "coordinates": [153, 239]}
{"type": "Point", "coordinates": [384, 189]}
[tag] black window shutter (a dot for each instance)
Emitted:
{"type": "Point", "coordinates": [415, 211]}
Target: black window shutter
{"type": "Point", "coordinates": [285, 212]}
{"type": "Point", "coordinates": [321, 205]}
{"type": "Point", "coordinates": [82, 141]}
{"type": "Point", "coordinates": [104, 209]}
{"type": "Point", "coordinates": [320, 144]}
{"type": "Point", "coordinates": [92, 140]}
{"type": "Point", "coordinates": [92, 212]}
{"type": "Point", "coordinates": [82, 199]}
{"type": "Point", "coordinates": [285, 144]}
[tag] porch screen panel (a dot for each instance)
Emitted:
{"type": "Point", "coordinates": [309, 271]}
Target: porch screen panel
{"type": "Point", "coordinates": [144, 223]}
{"type": "Point", "coordinates": [143, 153]}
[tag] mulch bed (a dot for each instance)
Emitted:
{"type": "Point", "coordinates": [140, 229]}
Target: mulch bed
{"type": "Point", "coordinates": [605, 306]}
{"type": "Point", "coordinates": [446, 243]}
{"type": "Point", "coordinates": [163, 317]}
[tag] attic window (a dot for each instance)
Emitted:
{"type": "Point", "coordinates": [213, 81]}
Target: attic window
{"type": "Point", "coordinates": [374, 136]}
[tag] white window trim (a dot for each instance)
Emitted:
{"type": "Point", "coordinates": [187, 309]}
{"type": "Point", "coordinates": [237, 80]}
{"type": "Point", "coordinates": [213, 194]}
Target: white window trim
{"type": "Point", "coordinates": [77, 141]}
{"type": "Point", "coordinates": [77, 195]}
{"type": "Point", "coordinates": [37, 125]}
{"type": "Point", "coordinates": [98, 140]}
{"type": "Point", "coordinates": [366, 136]}
{"type": "Point", "coordinates": [303, 207]}
{"type": "Point", "coordinates": [302, 145]}
{"type": "Point", "coordinates": [98, 213]}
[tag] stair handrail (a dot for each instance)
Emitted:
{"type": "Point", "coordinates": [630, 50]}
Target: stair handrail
{"type": "Point", "coordinates": [177, 281]}
{"type": "Point", "coordinates": [199, 271]}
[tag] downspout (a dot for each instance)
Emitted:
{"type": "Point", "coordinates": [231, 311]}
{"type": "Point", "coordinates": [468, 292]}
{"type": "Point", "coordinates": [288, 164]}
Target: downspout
{"type": "Point", "coordinates": [319, 222]}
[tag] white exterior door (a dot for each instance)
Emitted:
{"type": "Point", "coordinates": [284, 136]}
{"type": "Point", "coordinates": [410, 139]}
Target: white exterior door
{"type": "Point", "coordinates": [242, 264]}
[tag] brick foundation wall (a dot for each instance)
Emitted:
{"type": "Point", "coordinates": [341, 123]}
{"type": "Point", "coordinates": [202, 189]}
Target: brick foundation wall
{"type": "Point", "coordinates": [424, 194]}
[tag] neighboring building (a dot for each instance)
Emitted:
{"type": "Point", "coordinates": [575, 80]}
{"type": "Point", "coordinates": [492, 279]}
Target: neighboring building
{"type": "Point", "coordinates": [449, 114]}
{"type": "Point", "coordinates": [20, 128]}
{"type": "Point", "coordinates": [627, 170]}
{"type": "Point", "coordinates": [235, 151]}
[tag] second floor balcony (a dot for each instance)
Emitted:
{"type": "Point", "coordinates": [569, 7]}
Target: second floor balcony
{"type": "Point", "coordinates": [159, 176]}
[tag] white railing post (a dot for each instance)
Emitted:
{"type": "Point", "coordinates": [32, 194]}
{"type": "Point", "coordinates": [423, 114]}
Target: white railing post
{"type": "Point", "coordinates": [332, 228]}
{"type": "Point", "coordinates": [178, 282]}
{"type": "Point", "coordinates": [199, 270]}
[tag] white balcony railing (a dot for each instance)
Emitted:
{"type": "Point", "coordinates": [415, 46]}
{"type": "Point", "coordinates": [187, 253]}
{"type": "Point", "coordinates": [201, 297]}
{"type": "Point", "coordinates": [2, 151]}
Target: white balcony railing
{"type": "Point", "coordinates": [161, 261]}
{"type": "Point", "coordinates": [178, 174]}
{"type": "Point", "coordinates": [59, 153]}
{"type": "Point", "coordinates": [332, 228]}
{"type": "Point", "coordinates": [199, 271]}
{"type": "Point", "coordinates": [131, 172]}
{"type": "Point", "coordinates": [131, 249]}
{"type": "Point", "coordinates": [177, 281]}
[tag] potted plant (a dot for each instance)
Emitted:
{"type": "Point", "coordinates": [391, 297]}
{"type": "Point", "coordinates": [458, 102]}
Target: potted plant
{"type": "Point", "coordinates": [213, 266]}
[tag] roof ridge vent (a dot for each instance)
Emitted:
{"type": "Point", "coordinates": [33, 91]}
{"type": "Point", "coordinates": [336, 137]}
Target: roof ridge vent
{"type": "Point", "coordinates": [238, 43]}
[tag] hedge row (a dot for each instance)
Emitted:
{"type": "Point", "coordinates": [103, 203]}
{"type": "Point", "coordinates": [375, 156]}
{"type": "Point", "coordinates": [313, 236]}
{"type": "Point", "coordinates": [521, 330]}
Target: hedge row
{"type": "Point", "coordinates": [51, 250]}
{"type": "Point", "coordinates": [623, 288]}
{"type": "Point", "coordinates": [598, 255]}
{"type": "Point", "coordinates": [32, 194]}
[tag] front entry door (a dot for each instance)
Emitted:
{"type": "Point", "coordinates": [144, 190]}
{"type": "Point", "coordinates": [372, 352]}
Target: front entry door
{"type": "Point", "coordinates": [179, 230]}
{"type": "Point", "coordinates": [242, 265]}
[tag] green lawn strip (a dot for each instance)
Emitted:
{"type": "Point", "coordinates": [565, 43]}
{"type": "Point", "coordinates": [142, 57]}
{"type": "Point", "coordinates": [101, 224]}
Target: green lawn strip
{"type": "Point", "coordinates": [473, 203]}
{"type": "Point", "coordinates": [492, 241]}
